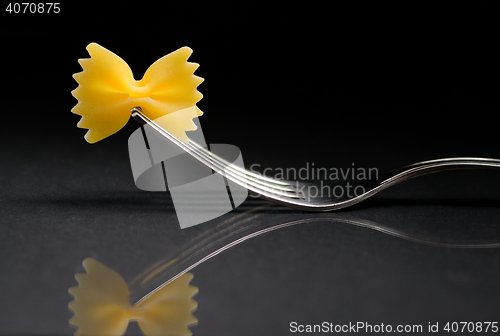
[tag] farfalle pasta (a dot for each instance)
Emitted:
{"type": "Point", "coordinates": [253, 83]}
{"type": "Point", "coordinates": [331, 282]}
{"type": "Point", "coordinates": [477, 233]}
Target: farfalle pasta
{"type": "Point", "coordinates": [101, 306]}
{"type": "Point", "coordinates": [107, 92]}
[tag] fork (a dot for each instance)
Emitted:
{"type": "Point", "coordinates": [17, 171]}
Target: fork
{"type": "Point", "coordinates": [296, 194]}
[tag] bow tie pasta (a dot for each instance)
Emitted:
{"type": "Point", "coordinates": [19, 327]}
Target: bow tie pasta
{"type": "Point", "coordinates": [101, 306]}
{"type": "Point", "coordinates": [107, 91]}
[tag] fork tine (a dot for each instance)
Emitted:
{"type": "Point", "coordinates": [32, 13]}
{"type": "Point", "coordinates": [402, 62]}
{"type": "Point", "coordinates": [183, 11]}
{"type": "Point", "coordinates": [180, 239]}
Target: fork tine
{"type": "Point", "coordinates": [254, 185]}
{"type": "Point", "coordinates": [238, 176]}
{"type": "Point", "coordinates": [241, 172]}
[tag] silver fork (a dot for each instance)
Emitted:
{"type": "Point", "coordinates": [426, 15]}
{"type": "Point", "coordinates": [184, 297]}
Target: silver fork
{"type": "Point", "coordinates": [297, 194]}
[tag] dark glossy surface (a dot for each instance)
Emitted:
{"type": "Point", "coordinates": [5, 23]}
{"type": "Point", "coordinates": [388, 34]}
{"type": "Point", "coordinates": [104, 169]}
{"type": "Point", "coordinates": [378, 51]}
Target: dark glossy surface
{"type": "Point", "coordinates": [380, 98]}
{"type": "Point", "coordinates": [309, 273]}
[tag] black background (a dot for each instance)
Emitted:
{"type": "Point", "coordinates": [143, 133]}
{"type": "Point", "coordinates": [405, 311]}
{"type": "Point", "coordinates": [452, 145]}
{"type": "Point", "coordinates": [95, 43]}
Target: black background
{"type": "Point", "coordinates": [390, 82]}
{"type": "Point", "coordinates": [288, 84]}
